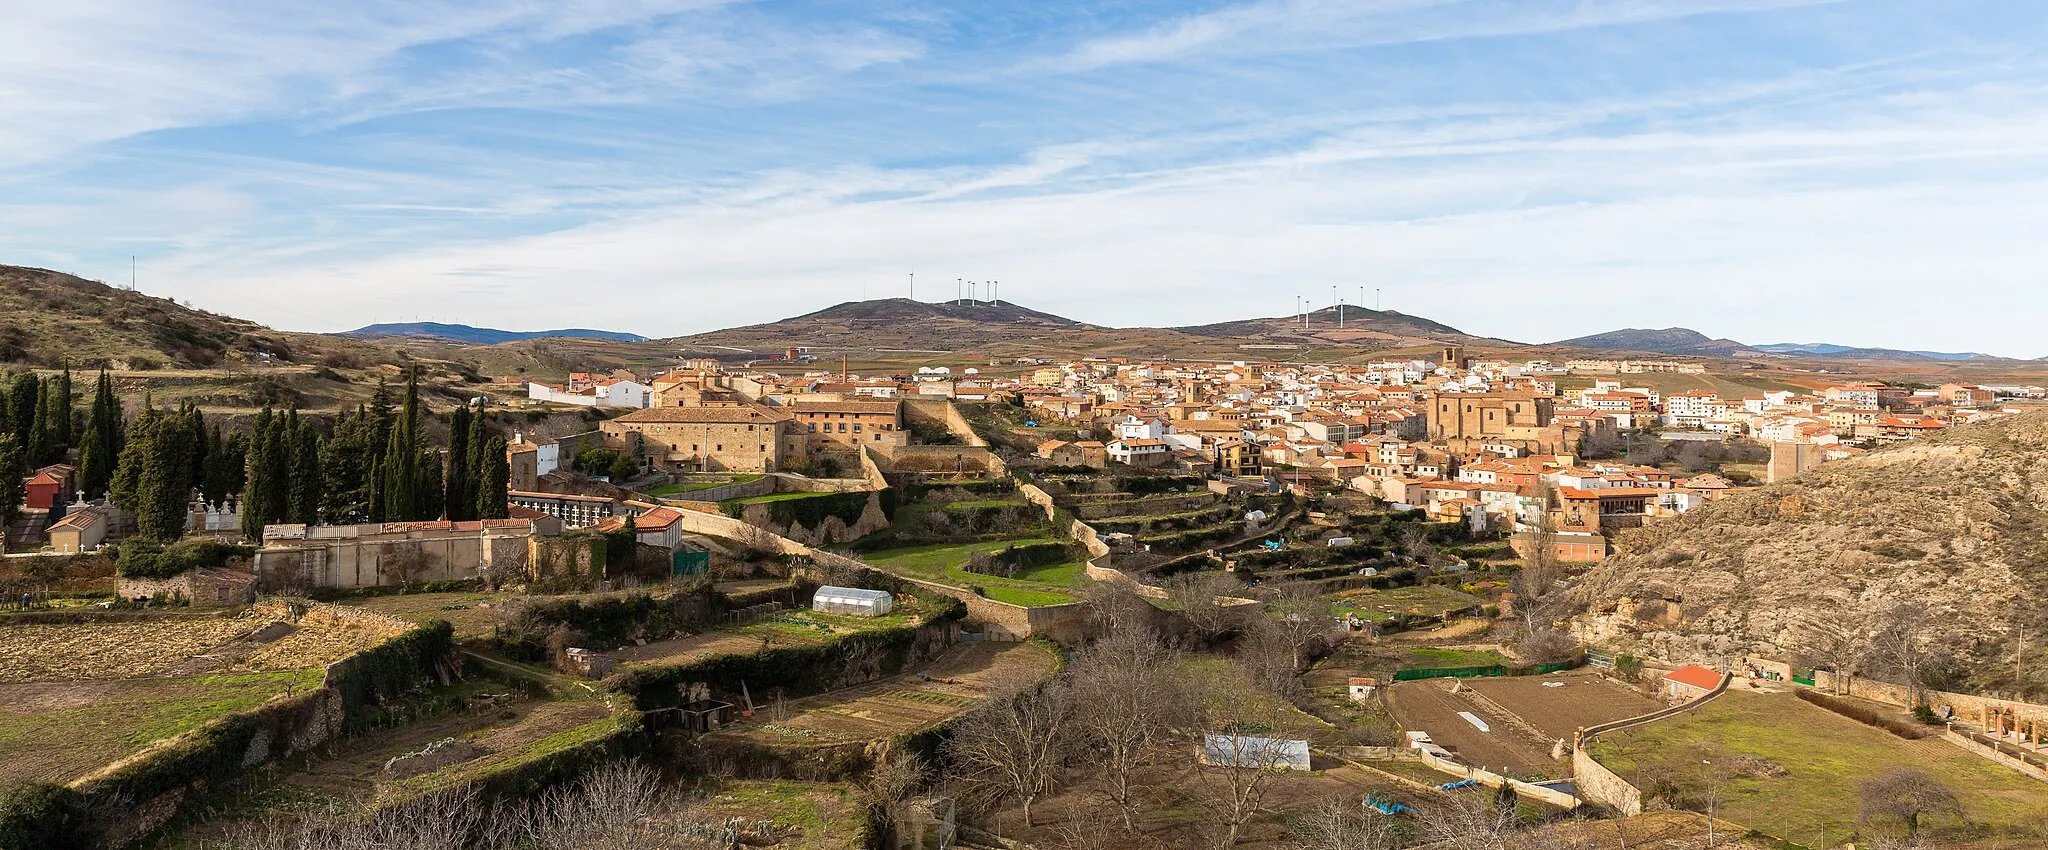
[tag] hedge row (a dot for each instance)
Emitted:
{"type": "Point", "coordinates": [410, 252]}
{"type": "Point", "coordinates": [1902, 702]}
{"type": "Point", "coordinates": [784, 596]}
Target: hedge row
{"type": "Point", "coordinates": [1864, 714]}
{"type": "Point", "coordinates": [223, 749]}
{"type": "Point", "coordinates": [810, 510]}
{"type": "Point", "coordinates": [140, 558]}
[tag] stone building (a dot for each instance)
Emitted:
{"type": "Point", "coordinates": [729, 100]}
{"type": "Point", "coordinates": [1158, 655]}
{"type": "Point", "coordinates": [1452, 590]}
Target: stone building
{"type": "Point", "coordinates": [845, 425]}
{"type": "Point", "coordinates": [1478, 416]}
{"type": "Point", "coordinates": [726, 438]}
{"type": "Point", "coordinates": [395, 553]}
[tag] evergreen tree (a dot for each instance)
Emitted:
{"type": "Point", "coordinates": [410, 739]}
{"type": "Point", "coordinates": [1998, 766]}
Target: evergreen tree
{"type": "Point", "coordinates": [460, 499]}
{"type": "Point", "coordinates": [433, 503]}
{"type": "Point", "coordinates": [402, 500]}
{"type": "Point", "coordinates": [202, 445]}
{"type": "Point", "coordinates": [494, 480]}
{"type": "Point", "coordinates": [6, 411]}
{"type": "Point", "coordinates": [66, 425]}
{"type": "Point", "coordinates": [101, 447]}
{"type": "Point", "coordinates": [277, 466]}
{"type": "Point", "coordinates": [42, 446]}
{"type": "Point", "coordinates": [479, 444]}
{"type": "Point", "coordinates": [214, 480]}
{"type": "Point", "coordinates": [163, 492]}
{"type": "Point", "coordinates": [22, 400]}
{"type": "Point", "coordinates": [306, 480]}
{"type": "Point", "coordinates": [128, 470]}
{"type": "Point", "coordinates": [13, 467]}
{"type": "Point", "coordinates": [255, 509]}
{"type": "Point", "coordinates": [345, 458]}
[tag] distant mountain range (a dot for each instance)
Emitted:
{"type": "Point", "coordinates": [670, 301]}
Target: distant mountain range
{"type": "Point", "coordinates": [481, 336]}
{"type": "Point", "coordinates": [1689, 342]}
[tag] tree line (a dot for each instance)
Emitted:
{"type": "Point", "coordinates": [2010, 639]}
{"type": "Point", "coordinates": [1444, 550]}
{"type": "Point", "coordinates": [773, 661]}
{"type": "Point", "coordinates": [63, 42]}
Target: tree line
{"type": "Point", "coordinates": [372, 464]}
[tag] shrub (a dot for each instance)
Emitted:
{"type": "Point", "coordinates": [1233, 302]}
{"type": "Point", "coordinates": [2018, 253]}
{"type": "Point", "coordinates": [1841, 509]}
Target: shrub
{"type": "Point", "coordinates": [140, 558]}
{"type": "Point", "coordinates": [1863, 714]}
{"type": "Point", "coordinates": [1925, 714]}
{"type": "Point", "coordinates": [42, 815]}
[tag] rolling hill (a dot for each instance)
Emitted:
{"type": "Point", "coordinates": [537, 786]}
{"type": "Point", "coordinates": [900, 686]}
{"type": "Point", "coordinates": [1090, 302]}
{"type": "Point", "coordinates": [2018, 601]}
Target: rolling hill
{"type": "Point", "coordinates": [1355, 323]}
{"type": "Point", "coordinates": [481, 336]}
{"type": "Point", "coordinates": [52, 319]}
{"type": "Point", "coordinates": [1949, 533]}
{"type": "Point", "coordinates": [891, 324]}
{"type": "Point", "coordinates": [1680, 341]}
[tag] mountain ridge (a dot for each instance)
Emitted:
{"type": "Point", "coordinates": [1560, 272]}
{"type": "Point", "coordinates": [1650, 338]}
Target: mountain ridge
{"type": "Point", "coordinates": [478, 335]}
{"type": "Point", "coordinates": [1672, 340]}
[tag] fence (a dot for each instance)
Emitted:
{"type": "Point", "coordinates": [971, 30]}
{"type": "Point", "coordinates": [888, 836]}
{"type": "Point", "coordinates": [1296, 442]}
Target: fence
{"type": "Point", "coordinates": [1415, 673]}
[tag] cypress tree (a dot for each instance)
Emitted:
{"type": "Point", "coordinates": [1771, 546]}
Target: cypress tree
{"type": "Point", "coordinates": [493, 481]}
{"type": "Point", "coordinates": [43, 449]}
{"type": "Point", "coordinates": [67, 418]}
{"type": "Point", "coordinates": [213, 478]}
{"type": "Point", "coordinates": [202, 444]}
{"type": "Point", "coordinates": [22, 400]}
{"type": "Point", "coordinates": [306, 480]}
{"type": "Point", "coordinates": [128, 470]}
{"type": "Point", "coordinates": [13, 466]}
{"type": "Point", "coordinates": [402, 500]}
{"type": "Point", "coordinates": [433, 504]}
{"type": "Point", "coordinates": [460, 499]}
{"type": "Point", "coordinates": [277, 466]}
{"type": "Point", "coordinates": [163, 491]}
{"type": "Point", "coordinates": [101, 447]}
{"type": "Point", "coordinates": [255, 509]}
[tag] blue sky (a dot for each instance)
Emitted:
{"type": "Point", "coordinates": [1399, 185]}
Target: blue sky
{"type": "Point", "coordinates": [1860, 172]}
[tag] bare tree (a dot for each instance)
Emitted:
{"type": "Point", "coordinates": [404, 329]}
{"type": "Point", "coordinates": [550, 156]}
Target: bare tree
{"type": "Point", "coordinates": [1545, 645]}
{"type": "Point", "coordinates": [1125, 709]}
{"type": "Point", "coordinates": [1198, 595]}
{"type": "Point", "coordinates": [1902, 647]}
{"type": "Point", "coordinates": [1905, 795]}
{"type": "Point", "coordinates": [1340, 823]}
{"type": "Point", "coordinates": [1016, 742]}
{"type": "Point", "coordinates": [1244, 745]}
{"type": "Point", "coordinates": [1303, 617]}
{"type": "Point", "coordinates": [895, 779]}
{"type": "Point", "coordinates": [1470, 823]}
{"type": "Point", "coordinates": [1113, 606]}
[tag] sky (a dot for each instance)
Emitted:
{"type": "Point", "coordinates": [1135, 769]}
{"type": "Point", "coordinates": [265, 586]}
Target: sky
{"type": "Point", "coordinates": [1862, 172]}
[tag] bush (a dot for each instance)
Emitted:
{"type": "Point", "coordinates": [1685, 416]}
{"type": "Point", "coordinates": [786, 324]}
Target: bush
{"type": "Point", "coordinates": [42, 815]}
{"type": "Point", "coordinates": [141, 558]}
{"type": "Point", "coordinates": [1925, 714]}
{"type": "Point", "coordinates": [1863, 714]}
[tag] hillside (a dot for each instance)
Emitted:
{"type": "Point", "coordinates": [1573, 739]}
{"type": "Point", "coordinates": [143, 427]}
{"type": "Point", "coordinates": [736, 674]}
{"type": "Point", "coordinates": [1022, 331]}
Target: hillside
{"type": "Point", "coordinates": [890, 324]}
{"type": "Point", "coordinates": [1357, 326]}
{"type": "Point", "coordinates": [1682, 341]}
{"type": "Point", "coordinates": [481, 336]}
{"type": "Point", "coordinates": [1951, 531]}
{"type": "Point", "coordinates": [50, 318]}
{"type": "Point", "coordinates": [1826, 349]}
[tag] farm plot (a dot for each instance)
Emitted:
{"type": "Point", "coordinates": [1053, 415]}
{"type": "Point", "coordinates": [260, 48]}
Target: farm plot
{"type": "Point", "coordinates": [1423, 600]}
{"type": "Point", "coordinates": [472, 614]}
{"type": "Point", "coordinates": [949, 685]}
{"type": "Point", "coordinates": [1523, 717]}
{"type": "Point", "coordinates": [1795, 770]}
{"type": "Point", "coordinates": [76, 696]}
{"type": "Point", "coordinates": [795, 628]}
{"type": "Point", "coordinates": [1047, 585]}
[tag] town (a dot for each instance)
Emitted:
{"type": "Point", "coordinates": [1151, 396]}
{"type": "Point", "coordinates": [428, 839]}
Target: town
{"type": "Point", "coordinates": [1401, 599]}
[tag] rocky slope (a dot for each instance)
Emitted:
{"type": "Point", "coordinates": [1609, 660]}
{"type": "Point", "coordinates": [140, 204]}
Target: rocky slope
{"type": "Point", "coordinates": [50, 318]}
{"type": "Point", "coordinates": [1946, 538]}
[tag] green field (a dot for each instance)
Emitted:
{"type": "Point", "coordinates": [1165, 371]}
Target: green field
{"type": "Point", "coordinates": [1427, 600]}
{"type": "Point", "coordinates": [941, 563]}
{"type": "Point", "coordinates": [120, 717]}
{"type": "Point", "coordinates": [1431, 658]}
{"type": "Point", "coordinates": [692, 486]}
{"type": "Point", "coordinates": [774, 497]}
{"type": "Point", "coordinates": [1824, 758]}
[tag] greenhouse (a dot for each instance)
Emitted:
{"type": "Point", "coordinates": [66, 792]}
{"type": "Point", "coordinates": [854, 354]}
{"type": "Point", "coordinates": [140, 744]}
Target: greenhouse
{"type": "Point", "coordinates": [853, 600]}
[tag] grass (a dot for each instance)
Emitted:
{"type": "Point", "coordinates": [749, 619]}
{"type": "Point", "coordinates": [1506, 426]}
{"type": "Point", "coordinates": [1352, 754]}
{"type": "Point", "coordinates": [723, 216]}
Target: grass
{"type": "Point", "coordinates": [693, 486]}
{"type": "Point", "coordinates": [774, 497]}
{"type": "Point", "coordinates": [1422, 599]}
{"type": "Point", "coordinates": [1038, 586]}
{"type": "Point", "coordinates": [828, 814]}
{"type": "Point", "coordinates": [1432, 657]}
{"type": "Point", "coordinates": [63, 744]}
{"type": "Point", "coordinates": [1826, 757]}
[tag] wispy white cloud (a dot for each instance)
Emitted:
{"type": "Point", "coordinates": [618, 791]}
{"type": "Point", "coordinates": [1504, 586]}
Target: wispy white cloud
{"type": "Point", "coordinates": [1288, 25]}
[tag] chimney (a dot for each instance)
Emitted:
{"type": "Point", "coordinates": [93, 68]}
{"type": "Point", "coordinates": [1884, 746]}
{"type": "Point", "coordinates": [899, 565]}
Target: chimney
{"type": "Point", "coordinates": [518, 438]}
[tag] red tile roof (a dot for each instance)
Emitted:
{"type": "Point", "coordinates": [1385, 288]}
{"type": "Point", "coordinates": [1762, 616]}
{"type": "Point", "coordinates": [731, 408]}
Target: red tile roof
{"type": "Point", "coordinates": [1696, 676]}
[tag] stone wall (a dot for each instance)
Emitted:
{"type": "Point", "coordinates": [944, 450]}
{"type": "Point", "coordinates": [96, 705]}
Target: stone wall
{"type": "Point", "coordinates": [1968, 706]}
{"type": "Point", "coordinates": [390, 559]}
{"type": "Point", "coordinates": [1597, 784]}
{"type": "Point", "coordinates": [942, 411]}
{"type": "Point", "coordinates": [1494, 780]}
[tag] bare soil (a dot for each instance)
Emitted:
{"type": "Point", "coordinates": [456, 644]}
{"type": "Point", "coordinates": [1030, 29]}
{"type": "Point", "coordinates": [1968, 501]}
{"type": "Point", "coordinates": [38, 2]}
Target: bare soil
{"type": "Point", "coordinates": [1524, 717]}
{"type": "Point", "coordinates": [949, 685]}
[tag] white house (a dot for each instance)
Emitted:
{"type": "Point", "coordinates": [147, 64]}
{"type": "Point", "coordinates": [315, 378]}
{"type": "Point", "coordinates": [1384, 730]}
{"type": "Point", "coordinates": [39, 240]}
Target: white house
{"type": "Point", "coordinates": [1137, 452]}
{"type": "Point", "coordinates": [1133, 428]}
{"type": "Point", "coordinates": [614, 393]}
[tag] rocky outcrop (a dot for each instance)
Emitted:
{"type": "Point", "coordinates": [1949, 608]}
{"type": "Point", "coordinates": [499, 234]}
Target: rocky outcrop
{"type": "Point", "coordinates": [1949, 532]}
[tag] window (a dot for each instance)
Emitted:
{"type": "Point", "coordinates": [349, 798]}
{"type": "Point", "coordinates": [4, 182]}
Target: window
{"type": "Point", "coordinates": [764, 448]}
{"type": "Point", "coordinates": [856, 427]}
{"type": "Point", "coordinates": [720, 447]}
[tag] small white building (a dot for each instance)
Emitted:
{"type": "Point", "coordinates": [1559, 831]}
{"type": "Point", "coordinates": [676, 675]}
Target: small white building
{"type": "Point", "coordinates": [857, 601]}
{"type": "Point", "coordinates": [1260, 753]}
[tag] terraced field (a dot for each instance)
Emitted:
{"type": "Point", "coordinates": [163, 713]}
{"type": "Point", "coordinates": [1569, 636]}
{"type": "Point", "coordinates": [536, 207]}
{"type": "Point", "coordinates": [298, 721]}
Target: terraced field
{"type": "Point", "coordinates": [947, 686]}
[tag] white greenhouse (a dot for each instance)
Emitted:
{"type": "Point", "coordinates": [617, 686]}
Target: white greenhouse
{"type": "Point", "coordinates": [853, 600]}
